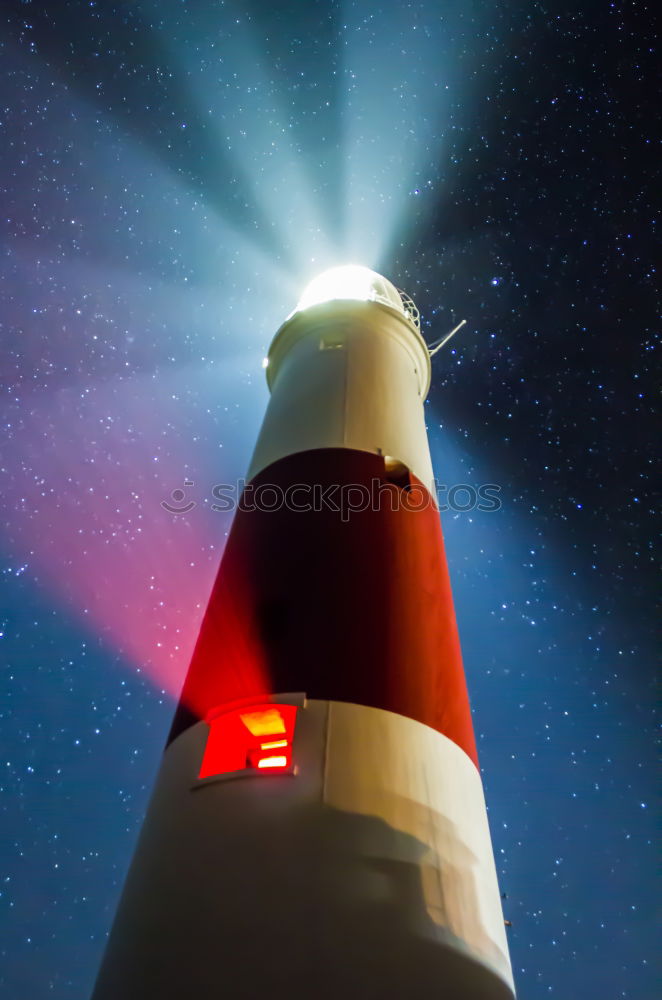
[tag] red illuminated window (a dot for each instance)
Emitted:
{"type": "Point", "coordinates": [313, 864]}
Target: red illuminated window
{"type": "Point", "coordinates": [252, 737]}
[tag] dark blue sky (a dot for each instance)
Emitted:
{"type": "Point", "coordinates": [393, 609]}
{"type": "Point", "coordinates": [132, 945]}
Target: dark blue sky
{"type": "Point", "coordinates": [172, 175]}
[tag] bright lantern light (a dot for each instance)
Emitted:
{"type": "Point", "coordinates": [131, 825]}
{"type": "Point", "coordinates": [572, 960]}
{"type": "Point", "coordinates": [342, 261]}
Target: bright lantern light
{"type": "Point", "coordinates": [355, 283]}
{"type": "Point", "coordinates": [352, 281]}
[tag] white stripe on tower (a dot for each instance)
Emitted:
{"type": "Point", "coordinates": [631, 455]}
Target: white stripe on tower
{"type": "Point", "coordinates": [347, 375]}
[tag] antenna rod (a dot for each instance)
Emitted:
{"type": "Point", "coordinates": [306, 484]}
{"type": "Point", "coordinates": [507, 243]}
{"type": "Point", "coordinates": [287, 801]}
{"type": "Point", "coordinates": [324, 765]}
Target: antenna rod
{"type": "Point", "coordinates": [444, 340]}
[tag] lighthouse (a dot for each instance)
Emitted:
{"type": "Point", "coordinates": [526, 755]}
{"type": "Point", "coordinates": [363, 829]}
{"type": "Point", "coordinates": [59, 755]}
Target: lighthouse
{"type": "Point", "coordinates": [318, 826]}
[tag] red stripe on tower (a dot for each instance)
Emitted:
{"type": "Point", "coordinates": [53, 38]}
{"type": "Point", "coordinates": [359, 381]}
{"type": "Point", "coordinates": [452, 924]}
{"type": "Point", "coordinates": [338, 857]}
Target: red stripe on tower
{"type": "Point", "coordinates": [350, 851]}
{"type": "Point", "coordinates": [334, 582]}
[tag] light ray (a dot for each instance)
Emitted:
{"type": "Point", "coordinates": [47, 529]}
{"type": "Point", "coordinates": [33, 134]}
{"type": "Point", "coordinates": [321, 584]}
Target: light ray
{"type": "Point", "coordinates": [400, 100]}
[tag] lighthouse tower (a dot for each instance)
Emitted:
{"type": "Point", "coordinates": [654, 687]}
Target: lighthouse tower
{"type": "Point", "coordinates": [318, 827]}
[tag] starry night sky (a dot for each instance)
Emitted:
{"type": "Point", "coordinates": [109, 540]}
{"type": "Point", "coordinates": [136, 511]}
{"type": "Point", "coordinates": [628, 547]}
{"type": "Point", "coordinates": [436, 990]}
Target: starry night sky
{"type": "Point", "coordinates": [172, 174]}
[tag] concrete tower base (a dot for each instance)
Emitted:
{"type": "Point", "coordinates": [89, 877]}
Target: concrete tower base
{"type": "Point", "coordinates": [367, 874]}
